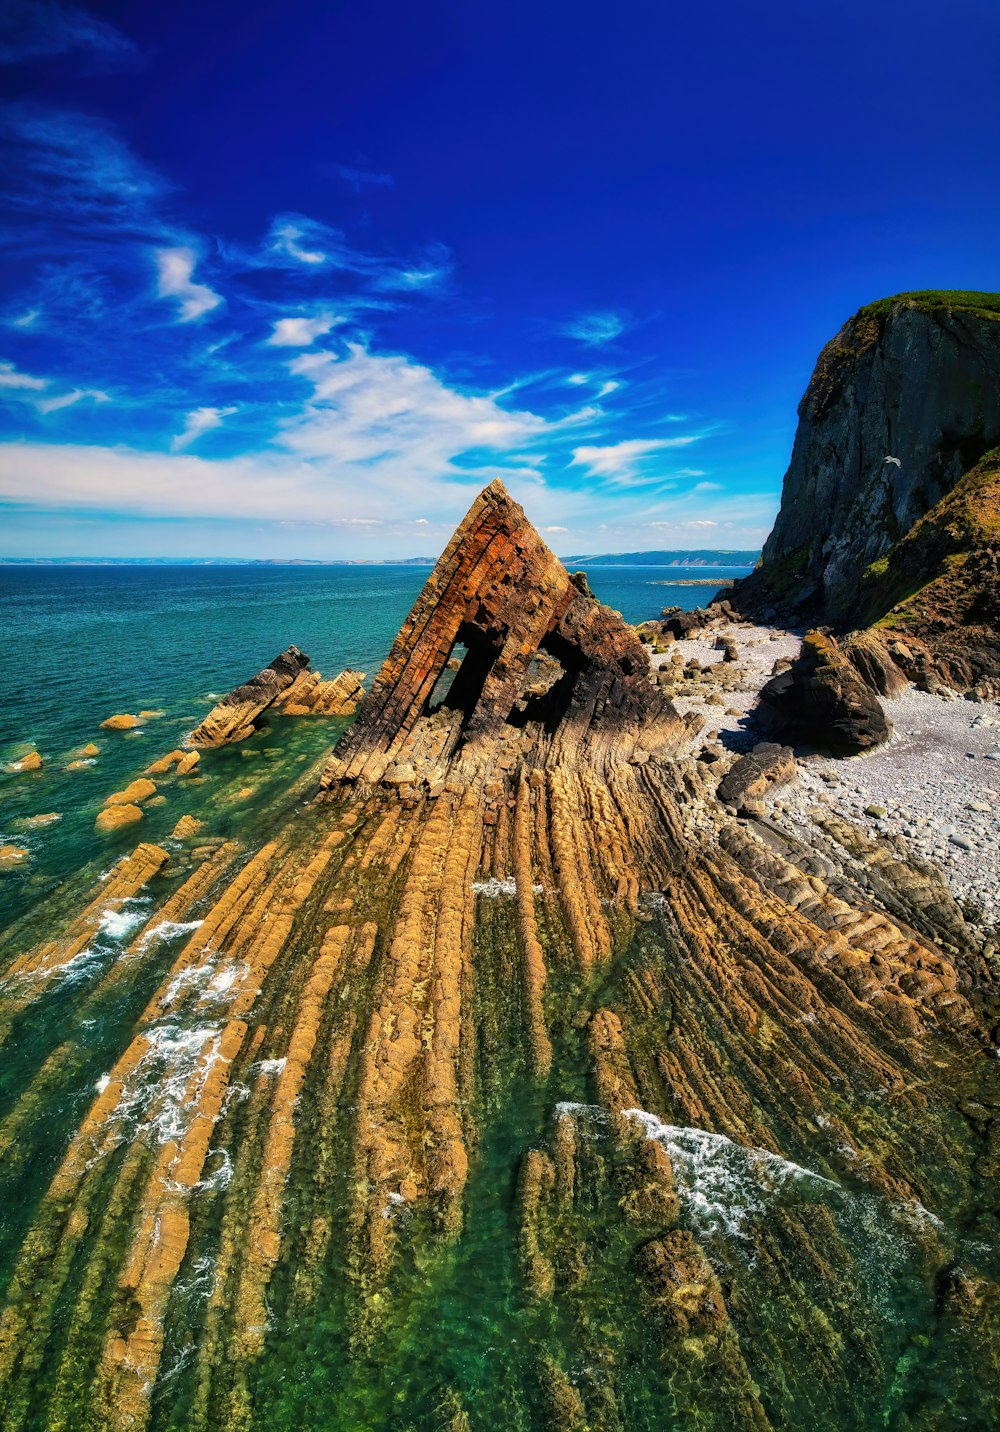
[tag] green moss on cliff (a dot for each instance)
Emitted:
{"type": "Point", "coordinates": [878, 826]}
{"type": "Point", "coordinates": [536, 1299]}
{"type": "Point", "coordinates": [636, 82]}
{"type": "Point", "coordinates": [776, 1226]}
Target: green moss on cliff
{"type": "Point", "coordinates": [984, 305]}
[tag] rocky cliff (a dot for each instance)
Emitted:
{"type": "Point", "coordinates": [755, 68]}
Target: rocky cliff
{"type": "Point", "coordinates": [904, 402]}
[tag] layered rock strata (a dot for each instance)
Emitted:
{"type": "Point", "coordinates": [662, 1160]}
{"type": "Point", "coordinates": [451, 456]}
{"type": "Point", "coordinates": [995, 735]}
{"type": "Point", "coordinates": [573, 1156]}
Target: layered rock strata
{"type": "Point", "coordinates": [517, 1078]}
{"type": "Point", "coordinates": [546, 673]}
{"type": "Point", "coordinates": [287, 684]}
{"type": "Point", "coordinates": [822, 700]}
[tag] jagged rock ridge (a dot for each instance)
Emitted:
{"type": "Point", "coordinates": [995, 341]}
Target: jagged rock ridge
{"type": "Point", "coordinates": [287, 684]}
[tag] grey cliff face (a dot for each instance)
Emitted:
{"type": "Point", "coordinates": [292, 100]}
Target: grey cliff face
{"type": "Point", "coordinates": [900, 405]}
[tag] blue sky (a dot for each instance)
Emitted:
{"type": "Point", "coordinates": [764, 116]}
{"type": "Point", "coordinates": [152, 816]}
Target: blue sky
{"type": "Point", "coordinates": [295, 280]}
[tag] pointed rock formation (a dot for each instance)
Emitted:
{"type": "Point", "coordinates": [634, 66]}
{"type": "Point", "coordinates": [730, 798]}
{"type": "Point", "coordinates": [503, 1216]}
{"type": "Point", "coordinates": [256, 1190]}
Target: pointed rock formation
{"type": "Point", "coordinates": [545, 672]}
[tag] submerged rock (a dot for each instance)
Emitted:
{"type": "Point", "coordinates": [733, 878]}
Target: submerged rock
{"type": "Point", "coordinates": [134, 793]}
{"type": "Point", "coordinates": [31, 762]}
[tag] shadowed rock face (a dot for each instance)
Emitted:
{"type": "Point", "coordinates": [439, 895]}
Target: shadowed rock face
{"type": "Point", "coordinates": [821, 700]}
{"type": "Point", "coordinates": [545, 1092]}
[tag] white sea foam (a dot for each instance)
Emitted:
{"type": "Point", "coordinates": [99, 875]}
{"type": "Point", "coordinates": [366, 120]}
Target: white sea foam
{"type": "Point", "coordinates": [171, 930]}
{"type": "Point", "coordinates": [493, 888]}
{"type": "Point", "coordinates": [721, 1183]}
{"type": "Point", "coordinates": [117, 924]}
{"type": "Point", "coordinates": [270, 1066]}
{"type": "Point", "coordinates": [166, 1084]}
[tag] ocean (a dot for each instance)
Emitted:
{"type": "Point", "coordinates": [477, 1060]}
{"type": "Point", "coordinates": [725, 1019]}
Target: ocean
{"type": "Point", "coordinates": [83, 643]}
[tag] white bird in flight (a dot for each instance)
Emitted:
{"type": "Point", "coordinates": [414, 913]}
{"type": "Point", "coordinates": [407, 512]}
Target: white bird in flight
{"type": "Point", "coordinates": [895, 460]}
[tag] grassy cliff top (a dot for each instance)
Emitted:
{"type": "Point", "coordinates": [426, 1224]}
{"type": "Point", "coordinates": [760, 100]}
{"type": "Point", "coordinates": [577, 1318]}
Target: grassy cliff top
{"type": "Point", "coordinates": [985, 305]}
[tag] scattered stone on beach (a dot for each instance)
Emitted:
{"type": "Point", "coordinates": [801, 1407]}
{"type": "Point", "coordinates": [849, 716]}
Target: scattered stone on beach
{"type": "Point", "coordinates": [114, 817]}
{"type": "Point", "coordinates": [134, 793]}
{"type": "Point", "coordinates": [31, 762]}
{"type": "Point", "coordinates": [821, 700]}
{"type": "Point", "coordinates": [123, 722]}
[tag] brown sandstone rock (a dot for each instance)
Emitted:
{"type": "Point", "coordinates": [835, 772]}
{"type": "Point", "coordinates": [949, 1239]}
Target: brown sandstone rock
{"type": "Point", "coordinates": [31, 762]}
{"type": "Point", "coordinates": [873, 660]}
{"type": "Point", "coordinates": [124, 722]}
{"type": "Point", "coordinates": [754, 776]}
{"type": "Point", "coordinates": [114, 817]}
{"type": "Point", "coordinates": [13, 855]}
{"type": "Point", "coordinates": [134, 793]}
{"type": "Point", "coordinates": [186, 827]}
{"type": "Point", "coordinates": [89, 751]}
{"type": "Point", "coordinates": [502, 597]}
{"type": "Point", "coordinates": [235, 717]}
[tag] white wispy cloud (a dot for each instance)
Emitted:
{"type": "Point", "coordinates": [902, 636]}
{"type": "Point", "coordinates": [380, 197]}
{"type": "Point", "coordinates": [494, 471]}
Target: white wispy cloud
{"type": "Point", "coordinates": [200, 421]}
{"type": "Point", "coordinates": [596, 329]}
{"type": "Point", "coordinates": [63, 164]}
{"type": "Point", "coordinates": [175, 270]}
{"type": "Point", "coordinates": [295, 237]}
{"type": "Point", "coordinates": [299, 331]}
{"type": "Point", "coordinates": [386, 410]}
{"type": "Point", "coordinates": [25, 320]}
{"type": "Point", "coordinates": [28, 388]}
{"type": "Point", "coordinates": [553, 528]}
{"type": "Point", "coordinates": [68, 400]}
{"type": "Point", "coordinates": [693, 524]}
{"type": "Point", "coordinates": [620, 463]}
{"type": "Point", "coordinates": [12, 377]}
{"type": "Point", "coordinates": [297, 242]}
{"type": "Point", "coordinates": [36, 29]}
{"type": "Point", "coordinates": [362, 178]}
{"type": "Point", "coordinates": [707, 487]}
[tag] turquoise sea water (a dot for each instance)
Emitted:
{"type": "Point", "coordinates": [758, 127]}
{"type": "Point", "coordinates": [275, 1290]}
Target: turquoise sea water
{"type": "Point", "coordinates": [82, 643]}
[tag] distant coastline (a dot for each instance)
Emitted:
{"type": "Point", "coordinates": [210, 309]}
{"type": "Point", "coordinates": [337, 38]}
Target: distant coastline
{"type": "Point", "coordinates": [699, 558]}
